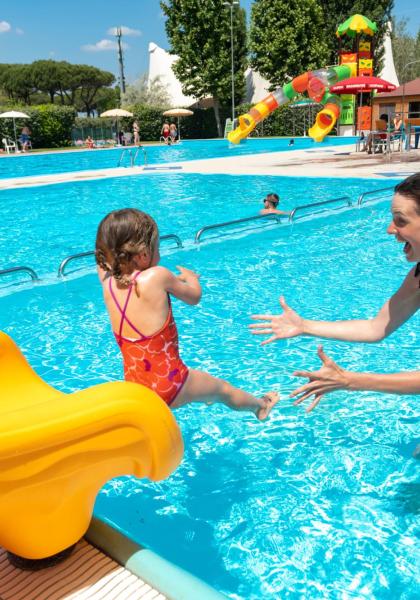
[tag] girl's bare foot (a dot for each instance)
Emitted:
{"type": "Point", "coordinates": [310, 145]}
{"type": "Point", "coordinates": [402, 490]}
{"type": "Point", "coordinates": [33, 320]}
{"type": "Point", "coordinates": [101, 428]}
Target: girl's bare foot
{"type": "Point", "coordinates": [270, 399]}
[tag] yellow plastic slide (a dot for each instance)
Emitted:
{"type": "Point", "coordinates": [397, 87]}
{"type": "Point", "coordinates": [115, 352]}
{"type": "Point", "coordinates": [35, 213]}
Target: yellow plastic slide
{"type": "Point", "coordinates": [57, 450]}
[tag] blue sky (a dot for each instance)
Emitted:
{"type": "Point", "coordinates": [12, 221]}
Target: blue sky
{"type": "Point", "coordinates": [78, 30]}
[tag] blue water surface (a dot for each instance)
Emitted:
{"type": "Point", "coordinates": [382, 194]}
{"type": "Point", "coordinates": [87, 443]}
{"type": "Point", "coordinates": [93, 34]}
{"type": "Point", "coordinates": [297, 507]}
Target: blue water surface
{"type": "Point", "coordinates": [322, 505]}
{"type": "Point", "coordinates": [40, 226]}
{"type": "Point", "coordinates": [64, 162]}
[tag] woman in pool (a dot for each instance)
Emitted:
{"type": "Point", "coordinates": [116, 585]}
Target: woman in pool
{"type": "Point", "coordinates": [405, 226]}
{"type": "Point", "coordinates": [127, 254]}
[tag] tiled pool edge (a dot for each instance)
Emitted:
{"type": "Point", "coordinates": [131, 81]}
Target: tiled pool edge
{"type": "Point", "coordinates": [167, 578]}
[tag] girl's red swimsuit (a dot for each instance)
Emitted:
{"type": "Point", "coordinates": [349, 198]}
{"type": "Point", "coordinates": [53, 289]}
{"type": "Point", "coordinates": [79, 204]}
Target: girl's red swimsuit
{"type": "Point", "coordinates": [152, 360]}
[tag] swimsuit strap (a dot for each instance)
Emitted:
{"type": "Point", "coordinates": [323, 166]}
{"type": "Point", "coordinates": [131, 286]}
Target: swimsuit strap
{"type": "Point", "coordinates": [124, 309]}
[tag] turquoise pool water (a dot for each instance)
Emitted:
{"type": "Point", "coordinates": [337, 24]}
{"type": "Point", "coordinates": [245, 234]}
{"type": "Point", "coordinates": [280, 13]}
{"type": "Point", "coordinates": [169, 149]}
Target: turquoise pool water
{"type": "Point", "coordinates": [40, 226]}
{"type": "Point", "coordinates": [64, 162]}
{"type": "Point", "coordinates": [305, 506]}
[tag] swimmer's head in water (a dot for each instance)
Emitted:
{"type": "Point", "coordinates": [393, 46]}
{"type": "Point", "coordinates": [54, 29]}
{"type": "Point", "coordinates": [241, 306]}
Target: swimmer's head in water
{"type": "Point", "coordinates": [272, 200]}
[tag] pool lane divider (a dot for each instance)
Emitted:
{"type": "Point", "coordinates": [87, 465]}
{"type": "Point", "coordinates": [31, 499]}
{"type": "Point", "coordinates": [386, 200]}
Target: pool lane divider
{"type": "Point", "coordinates": [169, 579]}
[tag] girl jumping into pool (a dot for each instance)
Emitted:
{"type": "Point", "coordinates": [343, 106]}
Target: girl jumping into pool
{"type": "Point", "coordinates": [137, 295]}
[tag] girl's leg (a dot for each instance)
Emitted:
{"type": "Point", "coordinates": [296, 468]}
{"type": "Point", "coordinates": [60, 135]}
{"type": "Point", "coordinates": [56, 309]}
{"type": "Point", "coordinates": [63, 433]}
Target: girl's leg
{"type": "Point", "coordinates": [202, 387]}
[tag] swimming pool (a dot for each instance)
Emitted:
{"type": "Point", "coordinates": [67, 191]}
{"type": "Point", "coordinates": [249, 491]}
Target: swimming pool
{"type": "Point", "coordinates": [64, 162]}
{"type": "Point", "coordinates": [306, 506]}
{"type": "Point", "coordinates": [61, 220]}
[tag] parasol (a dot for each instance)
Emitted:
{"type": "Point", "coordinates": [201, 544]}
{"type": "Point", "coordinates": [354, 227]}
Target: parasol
{"type": "Point", "coordinates": [116, 112]}
{"type": "Point", "coordinates": [14, 114]}
{"type": "Point", "coordinates": [178, 112]}
{"type": "Point", "coordinates": [357, 85]}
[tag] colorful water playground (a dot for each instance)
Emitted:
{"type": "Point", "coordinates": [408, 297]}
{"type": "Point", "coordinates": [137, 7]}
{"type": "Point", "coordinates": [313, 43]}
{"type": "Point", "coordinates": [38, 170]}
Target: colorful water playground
{"type": "Point", "coordinates": [108, 492]}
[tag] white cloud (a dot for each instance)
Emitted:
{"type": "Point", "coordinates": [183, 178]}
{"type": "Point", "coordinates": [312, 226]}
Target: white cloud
{"type": "Point", "coordinates": [4, 26]}
{"type": "Point", "coordinates": [19, 31]}
{"type": "Point", "coordinates": [103, 46]}
{"type": "Point", "coordinates": [124, 31]}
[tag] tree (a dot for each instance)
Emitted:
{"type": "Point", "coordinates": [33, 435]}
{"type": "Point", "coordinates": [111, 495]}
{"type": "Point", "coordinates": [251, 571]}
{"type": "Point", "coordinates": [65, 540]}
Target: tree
{"type": "Point", "coordinates": [154, 93]}
{"type": "Point", "coordinates": [286, 38]}
{"type": "Point", "coordinates": [336, 13]}
{"type": "Point", "coordinates": [405, 49]}
{"type": "Point", "coordinates": [199, 33]}
{"type": "Point", "coordinates": [91, 80]}
{"type": "Point", "coordinates": [47, 76]}
{"type": "Point", "coordinates": [16, 81]}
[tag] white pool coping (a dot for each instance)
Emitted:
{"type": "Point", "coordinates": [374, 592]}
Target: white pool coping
{"type": "Point", "coordinates": [319, 161]}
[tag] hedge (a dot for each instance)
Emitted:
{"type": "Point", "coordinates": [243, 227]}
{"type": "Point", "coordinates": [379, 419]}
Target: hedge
{"type": "Point", "coordinates": [50, 125]}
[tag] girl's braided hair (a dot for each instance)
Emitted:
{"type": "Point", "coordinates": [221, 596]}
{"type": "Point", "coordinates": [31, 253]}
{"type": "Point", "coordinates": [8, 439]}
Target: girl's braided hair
{"type": "Point", "coordinates": [121, 235]}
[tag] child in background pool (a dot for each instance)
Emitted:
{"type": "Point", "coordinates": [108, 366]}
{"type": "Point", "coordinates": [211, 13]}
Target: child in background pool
{"type": "Point", "coordinates": [137, 295]}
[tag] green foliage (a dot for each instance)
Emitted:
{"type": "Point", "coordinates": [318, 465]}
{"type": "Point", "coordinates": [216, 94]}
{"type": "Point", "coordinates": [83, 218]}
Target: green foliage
{"type": "Point", "coordinates": [50, 125]}
{"type": "Point", "coordinates": [199, 33]}
{"type": "Point", "coordinates": [79, 85]}
{"type": "Point", "coordinates": [336, 13]}
{"type": "Point", "coordinates": [154, 93]}
{"type": "Point", "coordinates": [287, 38]}
{"type": "Point", "coordinates": [406, 49]}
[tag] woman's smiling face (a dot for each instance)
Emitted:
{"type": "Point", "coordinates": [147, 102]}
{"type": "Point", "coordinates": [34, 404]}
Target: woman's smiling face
{"type": "Point", "coordinates": [405, 225]}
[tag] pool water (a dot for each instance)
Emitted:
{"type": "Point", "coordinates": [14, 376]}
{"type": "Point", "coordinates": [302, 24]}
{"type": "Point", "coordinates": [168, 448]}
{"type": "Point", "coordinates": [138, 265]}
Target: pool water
{"type": "Point", "coordinates": [61, 220]}
{"type": "Point", "coordinates": [319, 505]}
{"type": "Point", "coordinates": [64, 162]}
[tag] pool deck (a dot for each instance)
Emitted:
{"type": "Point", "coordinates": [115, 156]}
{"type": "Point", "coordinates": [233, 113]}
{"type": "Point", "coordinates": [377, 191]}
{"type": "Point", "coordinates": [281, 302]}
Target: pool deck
{"type": "Point", "coordinates": [340, 161]}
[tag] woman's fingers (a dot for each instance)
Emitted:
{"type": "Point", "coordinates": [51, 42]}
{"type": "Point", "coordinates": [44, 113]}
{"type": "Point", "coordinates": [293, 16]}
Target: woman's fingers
{"type": "Point", "coordinates": [272, 339]}
{"type": "Point", "coordinates": [314, 403]}
{"type": "Point", "coordinates": [262, 331]}
{"type": "Point", "coordinates": [283, 303]}
{"type": "Point", "coordinates": [260, 325]}
{"type": "Point", "coordinates": [261, 318]}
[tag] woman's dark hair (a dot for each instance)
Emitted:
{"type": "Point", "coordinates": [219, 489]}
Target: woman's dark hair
{"type": "Point", "coordinates": [272, 198]}
{"type": "Point", "coordinates": [410, 188]}
{"type": "Point", "coordinates": [384, 117]}
{"type": "Point", "coordinates": [121, 235]}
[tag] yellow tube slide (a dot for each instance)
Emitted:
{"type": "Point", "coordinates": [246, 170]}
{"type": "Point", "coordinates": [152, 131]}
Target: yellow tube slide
{"type": "Point", "coordinates": [57, 450]}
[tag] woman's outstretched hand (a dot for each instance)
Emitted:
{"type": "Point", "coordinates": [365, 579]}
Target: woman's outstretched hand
{"type": "Point", "coordinates": [288, 324]}
{"type": "Point", "coordinates": [329, 378]}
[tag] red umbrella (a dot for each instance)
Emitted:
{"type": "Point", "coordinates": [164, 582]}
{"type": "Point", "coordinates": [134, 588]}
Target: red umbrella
{"type": "Point", "coordinates": [356, 85]}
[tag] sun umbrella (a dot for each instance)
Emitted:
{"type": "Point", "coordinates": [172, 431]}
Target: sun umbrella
{"type": "Point", "coordinates": [14, 114]}
{"type": "Point", "coordinates": [178, 112]}
{"type": "Point", "coordinates": [355, 25]}
{"type": "Point", "coordinates": [116, 112]}
{"type": "Point", "coordinates": [357, 85]}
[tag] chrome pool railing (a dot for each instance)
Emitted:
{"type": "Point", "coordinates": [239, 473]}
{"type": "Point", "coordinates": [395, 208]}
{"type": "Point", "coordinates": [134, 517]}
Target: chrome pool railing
{"type": "Point", "coordinates": [28, 270]}
{"type": "Point", "coordinates": [270, 216]}
{"type": "Point", "coordinates": [68, 259]}
{"type": "Point", "coordinates": [134, 158]}
{"type": "Point", "coordinates": [347, 200]}
{"type": "Point", "coordinates": [372, 193]}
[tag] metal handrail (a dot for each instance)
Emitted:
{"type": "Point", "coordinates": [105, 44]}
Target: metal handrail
{"type": "Point", "coordinates": [64, 263]}
{"type": "Point", "coordinates": [200, 232]}
{"type": "Point", "coordinates": [323, 202]}
{"type": "Point", "coordinates": [362, 196]}
{"type": "Point", "coordinates": [172, 236]}
{"type": "Point", "coordinates": [128, 150]}
{"type": "Point", "coordinates": [140, 147]}
{"type": "Point", "coordinates": [28, 270]}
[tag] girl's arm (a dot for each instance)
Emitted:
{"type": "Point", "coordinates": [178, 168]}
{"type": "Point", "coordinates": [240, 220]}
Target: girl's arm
{"type": "Point", "coordinates": [184, 286]}
{"type": "Point", "coordinates": [400, 307]}
{"type": "Point", "coordinates": [331, 377]}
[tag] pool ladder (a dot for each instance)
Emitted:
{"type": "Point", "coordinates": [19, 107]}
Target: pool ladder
{"type": "Point", "coordinates": [133, 156]}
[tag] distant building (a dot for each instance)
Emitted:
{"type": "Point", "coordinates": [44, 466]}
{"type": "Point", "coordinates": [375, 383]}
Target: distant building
{"type": "Point", "coordinates": [405, 99]}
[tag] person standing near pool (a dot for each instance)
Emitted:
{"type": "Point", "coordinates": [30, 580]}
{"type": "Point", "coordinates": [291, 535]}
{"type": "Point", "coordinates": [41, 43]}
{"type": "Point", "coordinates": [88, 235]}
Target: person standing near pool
{"type": "Point", "coordinates": [405, 226]}
{"type": "Point", "coordinates": [136, 133]}
{"type": "Point", "coordinates": [271, 202]}
{"type": "Point", "coordinates": [137, 295]}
